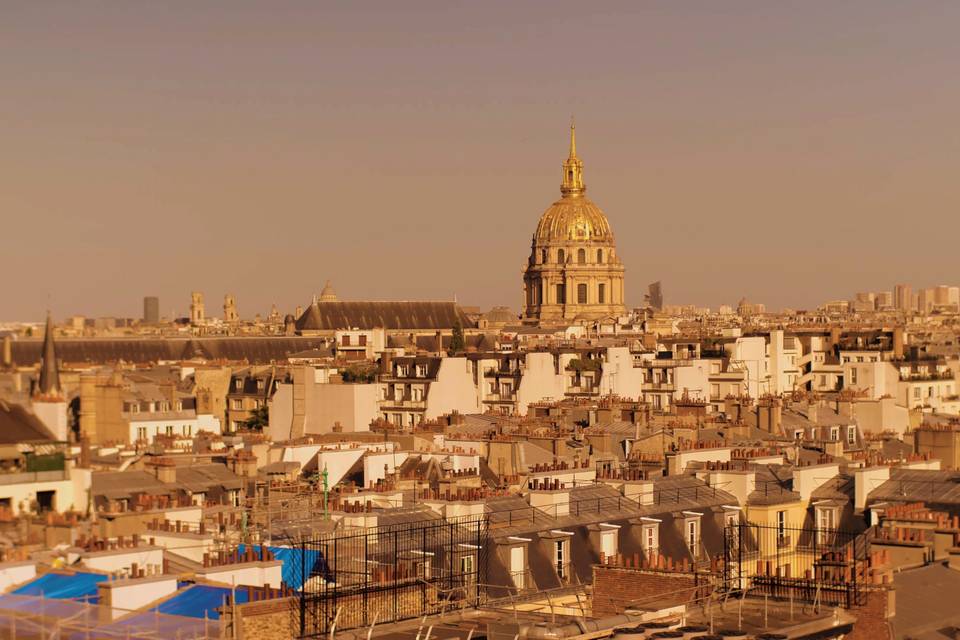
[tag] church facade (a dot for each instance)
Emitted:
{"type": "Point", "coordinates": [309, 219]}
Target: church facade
{"type": "Point", "coordinates": [573, 273]}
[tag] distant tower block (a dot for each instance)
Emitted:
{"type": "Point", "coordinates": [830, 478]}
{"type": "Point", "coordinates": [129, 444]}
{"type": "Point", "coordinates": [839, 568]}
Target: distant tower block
{"type": "Point", "coordinates": [151, 310]}
{"type": "Point", "coordinates": [197, 314]}
{"type": "Point", "coordinates": [230, 314]}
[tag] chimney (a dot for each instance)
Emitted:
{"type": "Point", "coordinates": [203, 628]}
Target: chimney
{"type": "Point", "coordinates": [898, 342]}
{"type": "Point", "coordinates": [164, 469]}
{"type": "Point", "coordinates": [386, 363]}
{"type": "Point", "coordinates": [7, 352]}
{"type": "Point", "coordinates": [770, 415]}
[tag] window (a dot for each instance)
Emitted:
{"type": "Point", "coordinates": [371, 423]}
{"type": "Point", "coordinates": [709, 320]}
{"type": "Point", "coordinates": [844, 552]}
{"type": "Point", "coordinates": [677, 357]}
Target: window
{"type": "Point", "coordinates": [561, 257]}
{"type": "Point", "coordinates": [651, 539]}
{"type": "Point", "coordinates": [466, 569]}
{"type": "Point", "coordinates": [561, 294]}
{"type": "Point", "coordinates": [608, 543]}
{"type": "Point", "coordinates": [693, 535]}
{"type": "Point", "coordinates": [560, 558]}
{"type": "Point", "coordinates": [187, 430]}
{"type": "Point", "coordinates": [823, 381]}
{"type": "Point", "coordinates": [169, 430]}
{"type": "Point", "coordinates": [46, 501]}
{"type": "Point", "coordinates": [260, 384]}
{"type": "Point", "coordinates": [178, 406]}
{"type": "Point", "coordinates": [238, 384]}
{"type": "Point", "coordinates": [237, 404]}
{"type": "Point", "coordinates": [345, 341]}
{"type": "Point", "coordinates": [782, 539]}
{"type": "Point", "coordinates": [544, 256]}
{"type": "Point", "coordinates": [599, 256]}
{"type": "Point", "coordinates": [581, 256]}
{"type": "Point", "coordinates": [518, 565]}
{"type": "Point", "coordinates": [715, 391]}
{"type": "Point", "coordinates": [731, 522]}
{"type": "Point", "coordinates": [142, 433]}
{"type": "Point", "coordinates": [363, 340]}
{"type": "Point", "coordinates": [851, 434]}
{"type": "Point", "coordinates": [826, 524]}
{"type": "Point", "coordinates": [581, 294]}
{"type": "Point", "coordinates": [602, 293]}
{"type": "Point", "coordinates": [853, 376]}
{"type": "Point", "coordinates": [834, 433]}
{"type": "Point", "coordinates": [916, 392]}
{"type": "Point", "coordinates": [423, 569]}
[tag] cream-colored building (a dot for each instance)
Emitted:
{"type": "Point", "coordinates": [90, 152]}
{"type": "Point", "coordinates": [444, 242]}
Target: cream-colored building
{"type": "Point", "coordinates": [573, 273]}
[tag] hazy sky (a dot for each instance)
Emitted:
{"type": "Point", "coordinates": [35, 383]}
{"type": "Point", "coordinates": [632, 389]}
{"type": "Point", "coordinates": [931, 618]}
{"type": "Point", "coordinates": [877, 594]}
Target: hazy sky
{"type": "Point", "coordinates": [790, 152]}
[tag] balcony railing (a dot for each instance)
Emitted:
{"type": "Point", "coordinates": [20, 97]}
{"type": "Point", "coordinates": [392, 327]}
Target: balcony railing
{"type": "Point", "coordinates": [28, 477]}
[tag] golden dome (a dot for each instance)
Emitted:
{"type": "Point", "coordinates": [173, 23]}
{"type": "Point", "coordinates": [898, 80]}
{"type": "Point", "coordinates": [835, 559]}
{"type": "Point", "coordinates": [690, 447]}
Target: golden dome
{"type": "Point", "coordinates": [572, 218]}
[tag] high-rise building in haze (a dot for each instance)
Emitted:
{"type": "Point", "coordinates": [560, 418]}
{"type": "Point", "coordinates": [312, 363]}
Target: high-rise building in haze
{"type": "Point", "coordinates": [903, 298]}
{"type": "Point", "coordinates": [151, 310]}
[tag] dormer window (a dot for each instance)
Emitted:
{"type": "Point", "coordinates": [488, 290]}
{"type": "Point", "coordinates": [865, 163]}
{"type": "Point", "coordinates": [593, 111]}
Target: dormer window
{"type": "Point", "coordinates": [238, 384]}
{"type": "Point", "coordinates": [609, 540]}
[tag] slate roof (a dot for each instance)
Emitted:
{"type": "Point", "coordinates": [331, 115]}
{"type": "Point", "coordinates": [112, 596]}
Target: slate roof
{"type": "Point", "coordinates": [927, 603]}
{"type": "Point", "coordinates": [919, 485]}
{"type": "Point", "coordinates": [331, 316]}
{"type": "Point", "coordinates": [255, 350]}
{"type": "Point", "coordinates": [19, 425]}
{"type": "Point", "coordinates": [200, 477]}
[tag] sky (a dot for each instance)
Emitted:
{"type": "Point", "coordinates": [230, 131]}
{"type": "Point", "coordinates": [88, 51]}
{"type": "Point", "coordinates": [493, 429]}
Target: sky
{"type": "Point", "coordinates": [786, 152]}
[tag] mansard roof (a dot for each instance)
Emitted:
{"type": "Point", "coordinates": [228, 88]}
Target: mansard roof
{"type": "Point", "coordinates": [390, 315]}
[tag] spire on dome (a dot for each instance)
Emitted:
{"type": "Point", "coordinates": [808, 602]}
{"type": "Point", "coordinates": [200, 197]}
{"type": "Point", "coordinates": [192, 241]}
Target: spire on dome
{"type": "Point", "coordinates": [573, 139]}
{"type": "Point", "coordinates": [49, 369]}
{"type": "Point", "coordinates": [572, 185]}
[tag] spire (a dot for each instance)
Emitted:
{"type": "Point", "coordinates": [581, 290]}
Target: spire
{"type": "Point", "coordinates": [572, 185]}
{"type": "Point", "coordinates": [49, 369]}
{"type": "Point", "coordinates": [573, 139]}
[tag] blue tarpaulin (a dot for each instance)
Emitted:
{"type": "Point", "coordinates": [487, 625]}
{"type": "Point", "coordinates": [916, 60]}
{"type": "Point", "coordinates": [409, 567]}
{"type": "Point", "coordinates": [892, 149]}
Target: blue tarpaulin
{"type": "Point", "coordinates": [199, 600]}
{"type": "Point", "coordinates": [64, 586]}
{"type": "Point", "coordinates": [295, 562]}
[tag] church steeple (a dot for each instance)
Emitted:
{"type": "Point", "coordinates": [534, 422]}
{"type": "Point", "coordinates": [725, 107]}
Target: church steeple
{"type": "Point", "coordinates": [49, 369]}
{"type": "Point", "coordinates": [572, 185]}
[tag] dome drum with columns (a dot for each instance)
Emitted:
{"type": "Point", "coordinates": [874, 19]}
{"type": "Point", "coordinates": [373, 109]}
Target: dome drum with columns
{"type": "Point", "coordinates": [573, 273]}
